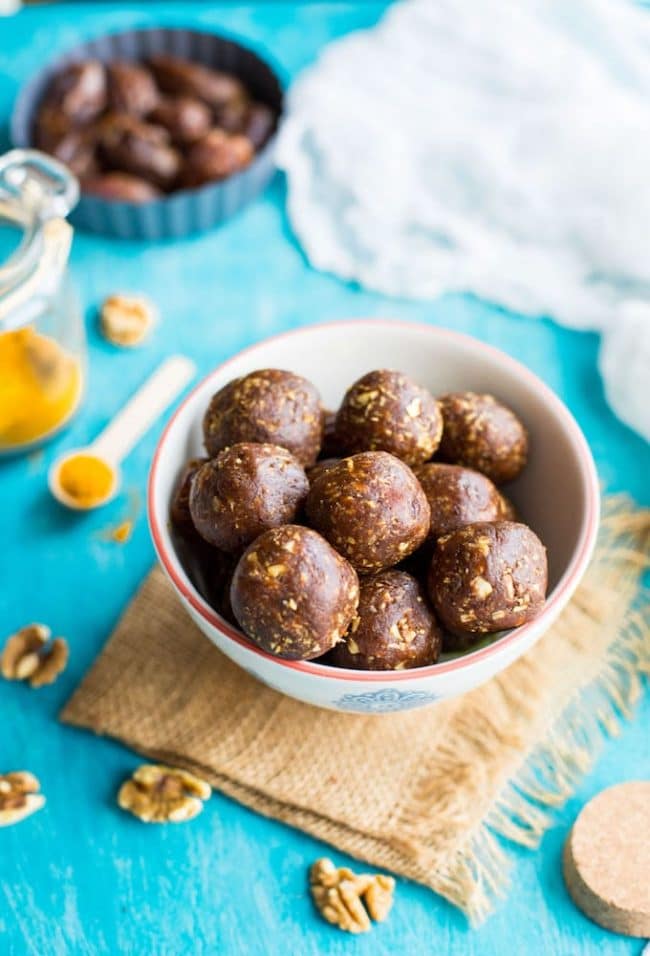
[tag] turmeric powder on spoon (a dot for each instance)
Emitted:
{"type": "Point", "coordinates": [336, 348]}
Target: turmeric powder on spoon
{"type": "Point", "coordinates": [86, 479]}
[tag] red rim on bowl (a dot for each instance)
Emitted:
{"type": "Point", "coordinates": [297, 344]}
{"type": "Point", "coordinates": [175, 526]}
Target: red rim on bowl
{"type": "Point", "coordinates": [554, 603]}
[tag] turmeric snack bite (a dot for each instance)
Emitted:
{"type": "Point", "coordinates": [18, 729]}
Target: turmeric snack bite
{"type": "Point", "coordinates": [481, 433]}
{"type": "Point", "coordinates": [459, 496]}
{"type": "Point", "coordinates": [292, 594]}
{"type": "Point", "coordinates": [488, 577]}
{"type": "Point", "coordinates": [386, 411]}
{"type": "Point", "coordinates": [371, 508]}
{"type": "Point", "coordinates": [245, 490]}
{"type": "Point", "coordinates": [393, 628]}
{"type": "Point", "coordinates": [268, 406]}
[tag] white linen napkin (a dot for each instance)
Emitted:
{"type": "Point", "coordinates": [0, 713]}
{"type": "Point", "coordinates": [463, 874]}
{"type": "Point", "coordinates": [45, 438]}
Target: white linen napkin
{"type": "Point", "coordinates": [497, 148]}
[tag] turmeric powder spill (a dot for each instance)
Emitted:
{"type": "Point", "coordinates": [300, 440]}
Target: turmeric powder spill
{"type": "Point", "coordinates": [122, 532]}
{"type": "Point", "coordinates": [86, 479]}
{"type": "Point", "coordinates": [40, 387]}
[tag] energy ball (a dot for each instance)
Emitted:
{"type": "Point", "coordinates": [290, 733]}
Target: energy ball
{"type": "Point", "coordinates": [488, 577]}
{"type": "Point", "coordinates": [386, 411]}
{"type": "Point", "coordinates": [393, 628]}
{"type": "Point", "coordinates": [268, 406]}
{"type": "Point", "coordinates": [179, 510]}
{"type": "Point", "coordinates": [371, 508]}
{"type": "Point", "coordinates": [460, 496]}
{"type": "Point", "coordinates": [481, 433]}
{"type": "Point", "coordinates": [245, 490]}
{"type": "Point", "coordinates": [292, 594]}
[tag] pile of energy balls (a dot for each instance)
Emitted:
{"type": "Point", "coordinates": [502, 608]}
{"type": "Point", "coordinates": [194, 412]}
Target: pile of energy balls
{"type": "Point", "coordinates": [338, 536]}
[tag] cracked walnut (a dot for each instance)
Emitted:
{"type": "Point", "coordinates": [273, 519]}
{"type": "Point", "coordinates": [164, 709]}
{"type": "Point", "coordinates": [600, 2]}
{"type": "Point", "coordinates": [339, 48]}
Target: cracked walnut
{"type": "Point", "coordinates": [350, 900]}
{"type": "Point", "coordinates": [31, 655]}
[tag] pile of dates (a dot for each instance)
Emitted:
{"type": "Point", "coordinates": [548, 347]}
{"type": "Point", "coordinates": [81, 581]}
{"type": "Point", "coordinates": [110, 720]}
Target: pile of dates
{"type": "Point", "coordinates": [135, 131]}
{"type": "Point", "coordinates": [372, 538]}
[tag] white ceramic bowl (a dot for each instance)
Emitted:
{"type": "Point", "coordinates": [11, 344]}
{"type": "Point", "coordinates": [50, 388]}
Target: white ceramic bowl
{"type": "Point", "coordinates": [557, 494]}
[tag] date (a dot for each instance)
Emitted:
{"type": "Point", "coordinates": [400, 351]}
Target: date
{"type": "Point", "coordinates": [122, 187]}
{"type": "Point", "coordinates": [183, 78]}
{"type": "Point", "coordinates": [215, 157]}
{"type": "Point", "coordinates": [185, 118]}
{"type": "Point", "coordinates": [131, 88]}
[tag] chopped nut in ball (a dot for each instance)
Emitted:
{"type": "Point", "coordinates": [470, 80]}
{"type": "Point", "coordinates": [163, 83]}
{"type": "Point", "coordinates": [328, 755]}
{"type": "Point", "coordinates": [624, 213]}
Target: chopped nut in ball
{"type": "Point", "coordinates": [127, 320]}
{"type": "Point", "coordinates": [386, 411]}
{"type": "Point", "coordinates": [293, 594]}
{"type": "Point", "coordinates": [268, 406]}
{"type": "Point", "coordinates": [349, 900]}
{"type": "Point", "coordinates": [393, 629]}
{"type": "Point", "coordinates": [488, 577]}
{"type": "Point", "coordinates": [19, 796]}
{"type": "Point", "coordinates": [245, 490]}
{"type": "Point", "coordinates": [481, 433]}
{"type": "Point", "coordinates": [158, 794]}
{"type": "Point", "coordinates": [30, 655]}
{"type": "Point", "coordinates": [459, 496]}
{"type": "Point", "coordinates": [371, 508]}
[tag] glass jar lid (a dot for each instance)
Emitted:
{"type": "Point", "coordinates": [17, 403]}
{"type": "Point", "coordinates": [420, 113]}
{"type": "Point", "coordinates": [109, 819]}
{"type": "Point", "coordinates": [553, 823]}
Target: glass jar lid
{"type": "Point", "coordinates": [36, 194]}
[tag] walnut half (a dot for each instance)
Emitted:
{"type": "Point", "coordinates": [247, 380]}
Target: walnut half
{"type": "Point", "coordinates": [19, 797]}
{"type": "Point", "coordinates": [127, 320]}
{"type": "Point", "coordinates": [30, 655]}
{"type": "Point", "coordinates": [350, 900]}
{"type": "Point", "coordinates": [157, 794]}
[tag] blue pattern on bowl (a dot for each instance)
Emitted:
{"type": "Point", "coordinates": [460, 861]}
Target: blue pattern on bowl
{"type": "Point", "coordinates": [386, 700]}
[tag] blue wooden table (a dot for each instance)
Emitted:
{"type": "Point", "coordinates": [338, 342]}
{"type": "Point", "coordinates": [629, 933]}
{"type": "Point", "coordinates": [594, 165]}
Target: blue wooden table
{"type": "Point", "coordinates": [81, 876]}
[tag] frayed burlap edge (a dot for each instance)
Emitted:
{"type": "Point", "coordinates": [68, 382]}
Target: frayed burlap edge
{"type": "Point", "coordinates": [545, 776]}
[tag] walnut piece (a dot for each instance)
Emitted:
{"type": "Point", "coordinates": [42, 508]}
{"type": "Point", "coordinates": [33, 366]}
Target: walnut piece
{"type": "Point", "coordinates": [19, 797]}
{"type": "Point", "coordinates": [30, 655]}
{"type": "Point", "coordinates": [157, 794]}
{"type": "Point", "coordinates": [126, 320]}
{"type": "Point", "coordinates": [349, 900]}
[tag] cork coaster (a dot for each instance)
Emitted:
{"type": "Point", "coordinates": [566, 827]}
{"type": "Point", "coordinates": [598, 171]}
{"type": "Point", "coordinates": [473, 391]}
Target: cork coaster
{"type": "Point", "coordinates": [607, 859]}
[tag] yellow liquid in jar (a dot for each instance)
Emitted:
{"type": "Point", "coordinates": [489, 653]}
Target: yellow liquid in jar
{"type": "Point", "coordinates": [40, 387]}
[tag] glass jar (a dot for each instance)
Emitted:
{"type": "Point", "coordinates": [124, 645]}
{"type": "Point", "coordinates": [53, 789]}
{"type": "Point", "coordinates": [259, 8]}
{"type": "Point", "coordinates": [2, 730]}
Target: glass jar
{"type": "Point", "coordinates": [42, 340]}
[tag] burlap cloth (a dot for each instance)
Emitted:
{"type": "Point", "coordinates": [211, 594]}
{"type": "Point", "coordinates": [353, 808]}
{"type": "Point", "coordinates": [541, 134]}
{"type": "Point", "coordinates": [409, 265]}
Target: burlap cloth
{"type": "Point", "coordinates": [423, 793]}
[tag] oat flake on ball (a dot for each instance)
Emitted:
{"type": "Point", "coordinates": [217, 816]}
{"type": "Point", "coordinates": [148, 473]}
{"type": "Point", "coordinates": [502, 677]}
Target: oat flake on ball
{"type": "Point", "coordinates": [270, 406]}
{"type": "Point", "coordinates": [371, 508]}
{"type": "Point", "coordinates": [292, 594]}
{"type": "Point", "coordinates": [386, 411]}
